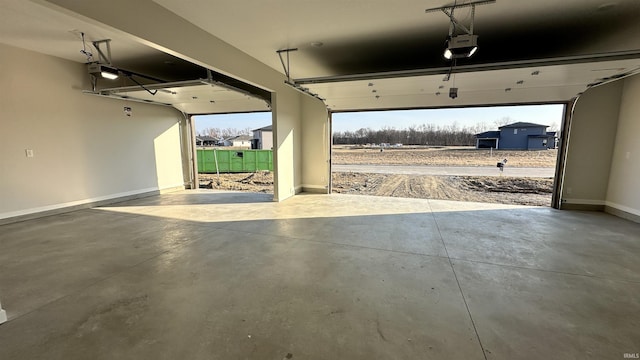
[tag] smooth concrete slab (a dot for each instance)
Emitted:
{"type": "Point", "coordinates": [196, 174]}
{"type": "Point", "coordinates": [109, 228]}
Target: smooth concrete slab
{"type": "Point", "coordinates": [259, 297]}
{"type": "Point", "coordinates": [46, 259]}
{"type": "Point", "coordinates": [208, 275]}
{"type": "Point", "coordinates": [533, 314]}
{"type": "Point", "coordinates": [586, 243]}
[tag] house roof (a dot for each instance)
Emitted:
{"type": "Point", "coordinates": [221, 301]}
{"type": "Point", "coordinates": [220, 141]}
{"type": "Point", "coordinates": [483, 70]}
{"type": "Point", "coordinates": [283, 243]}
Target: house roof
{"type": "Point", "coordinates": [266, 128]}
{"type": "Point", "coordinates": [206, 138]}
{"type": "Point", "coordinates": [488, 135]}
{"type": "Point", "coordinates": [241, 138]}
{"type": "Point", "coordinates": [522, 125]}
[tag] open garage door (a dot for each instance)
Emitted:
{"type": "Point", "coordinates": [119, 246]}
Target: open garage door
{"type": "Point", "coordinates": [435, 154]}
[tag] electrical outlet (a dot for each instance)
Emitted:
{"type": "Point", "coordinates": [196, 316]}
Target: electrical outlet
{"type": "Point", "coordinates": [28, 153]}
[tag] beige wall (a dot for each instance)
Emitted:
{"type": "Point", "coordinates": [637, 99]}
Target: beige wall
{"type": "Point", "coordinates": [216, 55]}
{"type": "Point", "coordinates": [266, 139]}
{"type": "Point", "coordinates": [315, 146]}
{"type": "Point", "coordinates": [590, 147]}
{"type": "Point", "coordinates": [85, 148]}
{"type": "Point", "coordinates": [3, 315]}
{"type": "Point", "coordinates": [624, 190]}
{"type": "Point", "coordinates": [287, 158]}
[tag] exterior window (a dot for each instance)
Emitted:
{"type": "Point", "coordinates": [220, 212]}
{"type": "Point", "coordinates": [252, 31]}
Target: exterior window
{"type": "Point", "coordinates": [515, 131]}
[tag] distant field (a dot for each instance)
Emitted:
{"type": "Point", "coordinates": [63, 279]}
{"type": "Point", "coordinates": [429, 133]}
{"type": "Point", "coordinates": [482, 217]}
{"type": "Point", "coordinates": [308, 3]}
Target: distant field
{"type": "Point", "coordinates": [442, 156]}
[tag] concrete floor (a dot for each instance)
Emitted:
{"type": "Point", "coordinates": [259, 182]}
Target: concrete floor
{"type": "Point", "coordinates": [211, 275]}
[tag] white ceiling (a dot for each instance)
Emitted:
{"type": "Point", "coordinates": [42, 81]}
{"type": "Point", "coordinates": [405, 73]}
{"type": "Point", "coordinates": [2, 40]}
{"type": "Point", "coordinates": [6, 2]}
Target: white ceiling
{"type": "Point", "coordinates": [381, 35]}
{"type": "Point", "coordinates": [594, 39]}
{"type": "Point", "coordinates": [31, 26]}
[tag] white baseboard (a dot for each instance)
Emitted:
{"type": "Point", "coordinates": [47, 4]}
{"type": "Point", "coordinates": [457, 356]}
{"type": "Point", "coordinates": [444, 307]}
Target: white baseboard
{"type": "Point", "coordinates": [622, 211]}
{"type": "Point", "coordinates": [582, 204]}
{"type": "Point", "coordinates": [583, 201]}
{"type": "Point", "coordinates": [626, 209]}
{"type": "Point", "coordinates": [32, 213]}
{"type": "Point", "coordinates": [315, 189]}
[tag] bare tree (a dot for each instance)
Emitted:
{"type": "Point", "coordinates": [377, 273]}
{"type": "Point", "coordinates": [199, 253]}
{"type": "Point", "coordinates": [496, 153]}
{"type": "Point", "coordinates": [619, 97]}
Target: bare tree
{"type": "Point", "coordinates": [224, 133]}
{"type": "Point", "coordinates": [506, 120]}
{"type": "Point", "coordinates": [554, 127]}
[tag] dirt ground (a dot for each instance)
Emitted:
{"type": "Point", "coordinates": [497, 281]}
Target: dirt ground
{"type": "Point", "coordinates": [442, 156]}
{"type": "Point", "coordinates": [491, 189]}
{"type": "Point", "coordinates": [501, 190]}
{"type": "Point", "coordinates": [261, 181]}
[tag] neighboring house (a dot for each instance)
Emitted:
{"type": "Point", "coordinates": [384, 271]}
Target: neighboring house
{"type": "Point", "coordinates": [488, 139]}
{"type": "Point", "coordinates": [206, 141]}
{"type": "Point", "coordinates": [239, 141]}
{"type": "Point", "coordinates": [263, 138]}
{"type": "Point", "coordinates": [518, 136]}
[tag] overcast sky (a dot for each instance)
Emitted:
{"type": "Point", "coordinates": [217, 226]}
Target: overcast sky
{"type": "Point", "coordinates": [539, 114]}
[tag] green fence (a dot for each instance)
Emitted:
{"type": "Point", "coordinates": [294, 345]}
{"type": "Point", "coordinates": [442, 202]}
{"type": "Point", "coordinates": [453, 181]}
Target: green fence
{"type": "Point", "coordinates": [234, 160]}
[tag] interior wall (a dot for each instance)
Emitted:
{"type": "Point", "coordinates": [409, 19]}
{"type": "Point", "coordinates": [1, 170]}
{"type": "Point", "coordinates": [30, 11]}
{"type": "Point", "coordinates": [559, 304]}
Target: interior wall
{"type": "Point", "coordinates": [623, 192]}
{"type": "Point", "coordinates": [316, 141]}
{"type": "Point", "coordinates": [84, 147]}
{"type": "Point", "coordinates": [3, 315]}
{"type": "Point", "coordinates": [591, 144]}
{"type": "Point", "coordinates": [185, 40]}
{"type": "Point", "coordinates": [187, 138]}
{"type": "Point", "coordinates": [286, 114]}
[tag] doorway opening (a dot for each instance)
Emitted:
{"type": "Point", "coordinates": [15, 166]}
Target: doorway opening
{"type": "Point", "coordinates": [493, 154]}
{"type": "Point", "coordinates": [235, 151]}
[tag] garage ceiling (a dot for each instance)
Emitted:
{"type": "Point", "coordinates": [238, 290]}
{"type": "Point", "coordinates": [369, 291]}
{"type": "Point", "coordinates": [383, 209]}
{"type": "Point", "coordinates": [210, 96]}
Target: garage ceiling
{"type": "Point", "coordinates": [369, 36]}
{"type": "Point", "coordinates": [186, 86]}
{"type": "Point", "coordinates": [346, 45]}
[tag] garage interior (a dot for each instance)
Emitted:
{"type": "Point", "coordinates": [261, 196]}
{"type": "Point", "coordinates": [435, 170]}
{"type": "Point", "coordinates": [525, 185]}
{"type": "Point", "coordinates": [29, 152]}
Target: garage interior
{"type": "Point", "coordinates": [108, 251]}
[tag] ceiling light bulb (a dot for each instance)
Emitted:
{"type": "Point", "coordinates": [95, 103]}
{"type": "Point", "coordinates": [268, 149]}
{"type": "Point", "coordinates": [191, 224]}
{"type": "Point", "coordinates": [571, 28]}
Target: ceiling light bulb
{"type": "Point", "coordinates": [109, 75]}
{"type": "Point", "coordinates": [447, 54]}
{"type": "Point", "coordinates": [473, 51]}
{"type": "Point", "coordinates": [108, 72]}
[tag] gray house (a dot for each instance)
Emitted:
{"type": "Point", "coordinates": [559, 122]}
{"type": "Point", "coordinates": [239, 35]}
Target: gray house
{"type": "Point", "coordinates": [203, 140]}
{"type": "Point", "coordinates": [238, 141]}
{"type": "Point", "coordinates": [518, 136]}
{"type": "Point", "coordinates": [263, 138]}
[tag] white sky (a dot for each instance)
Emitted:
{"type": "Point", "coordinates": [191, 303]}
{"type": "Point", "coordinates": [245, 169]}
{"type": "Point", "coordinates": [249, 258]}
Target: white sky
{"type": "Point", "coordinates": [400, 119]}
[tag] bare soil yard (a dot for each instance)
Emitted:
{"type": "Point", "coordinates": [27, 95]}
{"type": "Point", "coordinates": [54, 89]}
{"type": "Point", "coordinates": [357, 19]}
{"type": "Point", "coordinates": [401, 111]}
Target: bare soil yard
{"type": "Point", "coordinates": [501, 190]}
{"type": "Point", "coordinates": [492, 189]}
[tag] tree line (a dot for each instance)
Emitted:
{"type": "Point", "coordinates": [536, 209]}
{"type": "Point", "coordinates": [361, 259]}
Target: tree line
{"type": "Point", "coordinates": [425, 134]}
{"type": "Point", "coordinates": [220, 133]}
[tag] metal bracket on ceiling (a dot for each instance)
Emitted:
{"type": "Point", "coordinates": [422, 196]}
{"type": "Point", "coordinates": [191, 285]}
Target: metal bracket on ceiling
{"type": "Point", "coordinates": [455, 23]}
{"type": "Point", "coordinates": [287, 71]}
{"type": "Point", "coordinates": [287, 66]}
{"type": "Point", "coordinates": [210, 81]}
{"type": "Point", "coordinates": [102, 57]}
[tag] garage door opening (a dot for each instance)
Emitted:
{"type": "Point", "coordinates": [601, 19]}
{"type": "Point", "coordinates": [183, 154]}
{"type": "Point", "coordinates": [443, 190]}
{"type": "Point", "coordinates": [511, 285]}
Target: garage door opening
{"type": "Point", "coordinates": [505, 154]}
{"type": "Point", "coordinates": [235, 152]}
